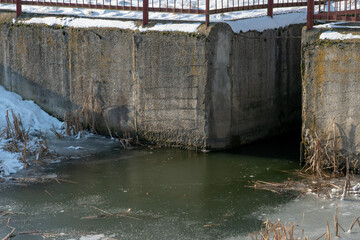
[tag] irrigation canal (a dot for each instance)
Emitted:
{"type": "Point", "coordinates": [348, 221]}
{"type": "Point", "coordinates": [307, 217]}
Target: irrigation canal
{"type": "Point", "coordinates": [111, 193]}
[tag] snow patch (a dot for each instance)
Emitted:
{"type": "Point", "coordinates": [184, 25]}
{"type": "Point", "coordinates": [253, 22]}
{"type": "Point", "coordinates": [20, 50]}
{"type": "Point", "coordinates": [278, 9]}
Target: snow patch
{"type": "Point", "coordinates": [243, 25]}
{"type": "Point", "coordinates": [32, 117]}
{"type": "Point", "coordinates": [263, 23]}
{"type": "Point", "coordinates": [331, 35]}
{"type": "Point", "coordinates": [242, 21]}
{"type": "Point", "coordinates": [75, 148]}
{"type": "Point", "coordinates": [94, 237]}
{"type": "Point", "coordinates": [102, 23]}
{"type": "Point", "coordinates": [337, 25]}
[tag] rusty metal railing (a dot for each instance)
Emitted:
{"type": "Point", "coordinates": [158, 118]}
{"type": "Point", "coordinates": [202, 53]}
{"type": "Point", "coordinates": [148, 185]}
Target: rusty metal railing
{"type": "Point", "coordinates": [205, 7]}
{"type": "Point", "coordinates": [334, 10]}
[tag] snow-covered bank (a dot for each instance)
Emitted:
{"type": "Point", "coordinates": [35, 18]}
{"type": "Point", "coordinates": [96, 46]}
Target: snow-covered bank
{"type": "Point", "coordinates": [32, 115]}
{"type": "Point", "coordinates": [34, 120]}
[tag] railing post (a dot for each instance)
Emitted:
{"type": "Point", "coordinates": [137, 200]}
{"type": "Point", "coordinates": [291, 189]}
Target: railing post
{"type": "Point", "coordinates": [310, 14]}
{"type": "Point", "coordinates": [145, 12]}
{"type": "Point", "coordinates": [18, 8]}
{"type": "Point", "coordinates": [270, 8]}
{"type": "Point", "coordinates": [207, 17]}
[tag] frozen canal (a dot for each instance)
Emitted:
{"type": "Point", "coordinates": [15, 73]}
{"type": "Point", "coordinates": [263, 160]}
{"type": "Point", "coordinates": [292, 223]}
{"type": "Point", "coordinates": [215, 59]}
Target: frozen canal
{"type": "Point", "coordinates": [162, 194]}
{"type": "Point", "coordinates": [148, 193]}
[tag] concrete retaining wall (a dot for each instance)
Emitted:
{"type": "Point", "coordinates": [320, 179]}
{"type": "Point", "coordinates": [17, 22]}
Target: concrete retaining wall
{"type": "Point", "coordinates": [210, 89]}
{"type": "Point", "coordinates": [331, 92]}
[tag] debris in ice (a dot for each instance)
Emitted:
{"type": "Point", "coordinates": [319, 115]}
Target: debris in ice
{"type": "Point", "coordinates": [75, 148]}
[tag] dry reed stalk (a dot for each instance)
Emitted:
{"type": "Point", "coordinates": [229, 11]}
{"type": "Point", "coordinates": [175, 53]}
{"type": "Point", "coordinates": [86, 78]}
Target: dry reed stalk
{"type": "Point", "coordinates": [357, 220]}
{"type": "Point", "coordinates": [336, 222]}
{"type": "Point", "coordinates": [328, 235]}
{"type": "Point", "coordinates": [57, 134]}
{"type": "Point", "coordinates": [347, 184]}
{"type": "Point", "coordinates": [108, 128]}
{"type": "Point", "coordinates": [9, 235]}
{"type": "Point", "coordinates": [335, 167]}
{"type": "Point", "coordinates": [277, 231]}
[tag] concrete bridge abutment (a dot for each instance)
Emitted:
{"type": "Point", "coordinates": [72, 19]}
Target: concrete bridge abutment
{"type": "Point", "coordinates": [212, 89]}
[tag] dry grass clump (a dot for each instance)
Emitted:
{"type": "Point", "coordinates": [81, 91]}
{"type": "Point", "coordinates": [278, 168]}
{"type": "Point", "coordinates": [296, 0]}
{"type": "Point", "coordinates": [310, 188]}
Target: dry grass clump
{"type": "Point", "coordinates": [278, 231]}
{"type": "Point", "coordinates": [81, 120]}
{"type": "Point", "coordinates": [334, 150]}
{"type": "Point", "coordinates": [287, 231]}
{"type": "Point", "coordinates": [18, 140]}
{"type": "Point", "coordinates": [327, 186]}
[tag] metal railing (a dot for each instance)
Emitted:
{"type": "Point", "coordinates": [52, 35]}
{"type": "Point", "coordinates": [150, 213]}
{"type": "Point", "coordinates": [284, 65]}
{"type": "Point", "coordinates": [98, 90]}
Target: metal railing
{"type": "Point", "coordinates": [334, 10]}
{"type": "Point", "coordinates": [205, 7]}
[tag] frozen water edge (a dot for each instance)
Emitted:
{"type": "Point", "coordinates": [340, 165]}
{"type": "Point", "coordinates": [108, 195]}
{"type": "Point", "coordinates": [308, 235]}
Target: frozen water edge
{"type": "Point", "coordinates": [314, 213]}
{"type": "Point", "coordinates": [37, 120]}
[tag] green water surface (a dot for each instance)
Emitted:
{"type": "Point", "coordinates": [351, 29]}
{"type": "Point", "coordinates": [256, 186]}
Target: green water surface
{"type": "Point", "coordinates": [166, 194]}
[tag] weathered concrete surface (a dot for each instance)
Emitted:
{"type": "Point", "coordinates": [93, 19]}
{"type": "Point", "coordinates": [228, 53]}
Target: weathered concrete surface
{"type": "Point", "coordinates": [266, 83]}
{"type": "Point", "coordinates": [331, 91]}
{"type": "Point", "coordinates": [211, 89]}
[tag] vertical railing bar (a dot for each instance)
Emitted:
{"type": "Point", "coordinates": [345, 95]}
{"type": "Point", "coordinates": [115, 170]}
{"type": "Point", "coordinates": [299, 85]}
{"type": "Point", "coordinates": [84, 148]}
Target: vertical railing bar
{"type": "Point", "coordinates": [207, 17]}
{"type": "Point", "coordinates": [270, 8]}
{"type": "Point", "coordinates": [345, 8]}
{"type": "Point", "coordinates": [355, 10]}
{"type": "Point", "coordinates": [18, 8]}
{"type": "Point", "coordinates": [145, 12]}
{"type": "Point", "coordinates": [335, 8]}
{"type": "Point", "coordinates": [310, 14]}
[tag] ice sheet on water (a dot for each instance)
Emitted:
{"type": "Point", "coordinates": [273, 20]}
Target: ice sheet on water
{"type": "Point", "coordinates": [314, 213]}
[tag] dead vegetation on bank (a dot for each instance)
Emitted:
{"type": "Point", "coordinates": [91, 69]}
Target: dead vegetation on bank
{"type": "Point", "coordinates": [330, 166]}
{"type": "Point", "coordinates": [33, 148]}
{"type": "Point", "coordinates": [291, 231]}
{"type": "Point", "coordinates": [82, 120]}
{"type": "Point", "coordinates": [16, 139]}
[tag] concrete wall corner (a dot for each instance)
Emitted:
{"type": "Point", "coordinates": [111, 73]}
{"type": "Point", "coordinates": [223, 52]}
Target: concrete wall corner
{"type": "Point", "coordinates": [218, 87]}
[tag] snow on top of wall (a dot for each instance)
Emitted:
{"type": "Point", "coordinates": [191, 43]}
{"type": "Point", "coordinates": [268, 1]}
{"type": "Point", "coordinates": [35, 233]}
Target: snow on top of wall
{"type": "Point", "coordinates": [331, 35]}
{"type": "Point", "coordinates": [263, 23]}
{"type": "Point", "coordinates": [242, 21]}
{"type": "Point", "coordinates": [102, 23]}
{"type": "Point", "coordinates": [337, 25]}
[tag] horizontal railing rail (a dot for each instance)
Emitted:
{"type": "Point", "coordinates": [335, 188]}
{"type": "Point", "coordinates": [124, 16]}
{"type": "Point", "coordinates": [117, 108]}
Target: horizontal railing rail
{"type": "Point", "coordinates": [333, 10]}
{"type": "Point", "coordinates": [206, 7]}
